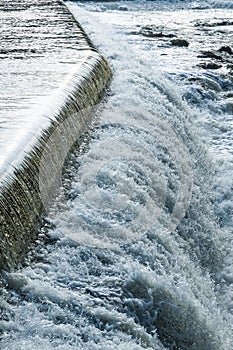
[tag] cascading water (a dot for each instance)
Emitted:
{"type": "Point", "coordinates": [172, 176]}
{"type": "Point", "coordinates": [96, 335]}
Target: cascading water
{"type": "Point", "coordinates": [132, 257]}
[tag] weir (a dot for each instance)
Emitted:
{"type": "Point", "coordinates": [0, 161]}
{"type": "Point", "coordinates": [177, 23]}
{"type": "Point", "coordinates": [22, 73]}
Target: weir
{"type": "Point", "coordinates": [51, 76]}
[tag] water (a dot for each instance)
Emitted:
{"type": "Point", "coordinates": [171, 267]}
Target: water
{"type": "Point", "coordinates": [139, 255]}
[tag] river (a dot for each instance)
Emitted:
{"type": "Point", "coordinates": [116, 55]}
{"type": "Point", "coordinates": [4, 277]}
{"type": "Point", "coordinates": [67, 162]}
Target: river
{"type": "Point", "coordinates": [137, 252]}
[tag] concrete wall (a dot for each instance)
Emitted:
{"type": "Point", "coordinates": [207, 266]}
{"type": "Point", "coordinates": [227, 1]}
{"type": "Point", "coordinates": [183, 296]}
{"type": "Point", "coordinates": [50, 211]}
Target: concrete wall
{"type": "Point", "coordinates": [51, 77]}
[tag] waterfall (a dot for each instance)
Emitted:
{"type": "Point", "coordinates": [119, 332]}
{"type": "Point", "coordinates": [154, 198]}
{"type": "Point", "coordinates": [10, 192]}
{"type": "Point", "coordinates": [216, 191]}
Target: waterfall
{"type": "Point", "coordinates": [137, 251]}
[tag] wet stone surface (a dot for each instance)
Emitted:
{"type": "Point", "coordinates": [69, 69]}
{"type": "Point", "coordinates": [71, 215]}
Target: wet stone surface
{"type": "Point", "coordinates": [40, 45]}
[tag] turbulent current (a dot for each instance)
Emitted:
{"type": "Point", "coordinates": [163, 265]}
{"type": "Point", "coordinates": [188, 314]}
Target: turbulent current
{"type": "Point", "coordinates": [137, 252]}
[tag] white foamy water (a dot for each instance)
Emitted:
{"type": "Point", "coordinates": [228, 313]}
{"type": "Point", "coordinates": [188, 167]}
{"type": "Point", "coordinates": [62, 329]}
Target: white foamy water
{"type": "Point", "coordinates": [139, 255]}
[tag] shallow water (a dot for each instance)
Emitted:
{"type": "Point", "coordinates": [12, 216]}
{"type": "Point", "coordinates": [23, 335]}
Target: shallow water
{"type": "Point", "coordinates": [139, 253]}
